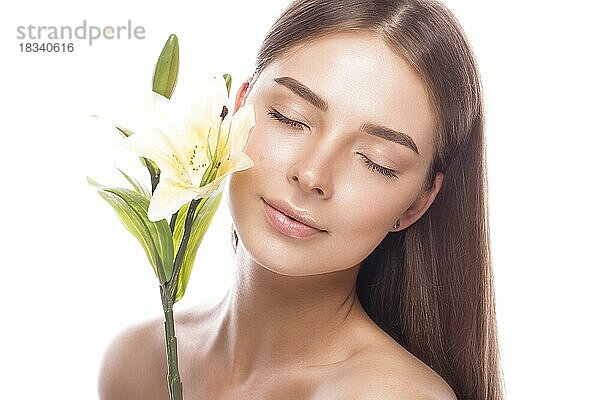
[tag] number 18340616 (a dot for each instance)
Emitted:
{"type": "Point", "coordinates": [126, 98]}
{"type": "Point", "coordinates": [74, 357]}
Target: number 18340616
{"type": "Point", "coordinates": [46, 47]}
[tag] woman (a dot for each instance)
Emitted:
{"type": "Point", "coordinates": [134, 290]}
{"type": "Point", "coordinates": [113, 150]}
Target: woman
{"type": "Point", "coordinates": [361, 233]}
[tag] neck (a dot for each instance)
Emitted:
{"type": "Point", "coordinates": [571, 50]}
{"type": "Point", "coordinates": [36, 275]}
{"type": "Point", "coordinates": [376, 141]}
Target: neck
{"type": "Point", "coordinates": [269, 320]}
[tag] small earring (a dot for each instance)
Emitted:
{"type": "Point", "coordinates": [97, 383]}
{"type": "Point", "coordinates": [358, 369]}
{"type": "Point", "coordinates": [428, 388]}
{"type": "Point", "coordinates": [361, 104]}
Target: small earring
{"type": "Point", "coordinates": [397, 224]}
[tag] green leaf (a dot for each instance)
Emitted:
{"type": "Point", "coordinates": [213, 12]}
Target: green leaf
{"type": "Point", "coordinates": [155, 237]}
{"type": "Point", "coordinates": [204, 214]}
{"type": "Point", "coordinates": [140, 188]}
{"type": "Point", "coordinates": [167, 68]}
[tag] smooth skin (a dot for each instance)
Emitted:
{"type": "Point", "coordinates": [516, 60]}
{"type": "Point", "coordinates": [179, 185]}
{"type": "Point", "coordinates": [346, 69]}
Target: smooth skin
{"type": "Point", "coordinates": [291, 327]}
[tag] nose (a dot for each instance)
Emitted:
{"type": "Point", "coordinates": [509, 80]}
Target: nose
{"type": "Point", "coordinates": [312, 172]}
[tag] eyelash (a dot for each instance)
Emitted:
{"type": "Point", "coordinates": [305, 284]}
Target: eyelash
{"type": "Point", "coordinates": [390, 173]}
{"type": "Point", "coordinates": [283, 119]}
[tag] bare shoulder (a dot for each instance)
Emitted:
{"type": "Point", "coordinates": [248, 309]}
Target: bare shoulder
{"type": "Point", "coordinates": [385, 370]}
{"type": "Point", "coordinates": [134, 364]}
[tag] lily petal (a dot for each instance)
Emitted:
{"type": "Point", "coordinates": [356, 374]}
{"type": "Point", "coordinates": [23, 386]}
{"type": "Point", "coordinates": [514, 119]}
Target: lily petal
{"type": "Point", "coordinates": [160, 113]}
{"type": "Point", "coordinates": [210, 188]}
{"type": "Point", "coordinates": [168, 197]}
{"type": "Point", "coordinates": [243, 120]}
{"type": "Point", "coordinates": [154, 112]}
{"type": "Point", "coordinates": [206, 110]}
{"type": "Point", "coordinates": [164, 150]}
{"type": "Point", "coordinates": [237, 162]}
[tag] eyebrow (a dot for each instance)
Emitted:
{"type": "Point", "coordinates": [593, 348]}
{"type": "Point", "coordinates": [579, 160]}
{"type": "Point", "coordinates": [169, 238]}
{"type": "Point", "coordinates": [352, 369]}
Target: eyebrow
{"type": "Point", "coordinates": [368, 127]}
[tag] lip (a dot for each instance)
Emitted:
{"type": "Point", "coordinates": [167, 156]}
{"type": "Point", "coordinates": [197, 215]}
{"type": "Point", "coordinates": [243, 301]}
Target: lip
{"type": "Point", "coordinates": [290, 220]}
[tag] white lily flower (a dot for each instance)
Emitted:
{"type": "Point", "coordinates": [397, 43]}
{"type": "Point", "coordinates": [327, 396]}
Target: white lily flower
{"type": "Point", "coordinates": [194, 159]}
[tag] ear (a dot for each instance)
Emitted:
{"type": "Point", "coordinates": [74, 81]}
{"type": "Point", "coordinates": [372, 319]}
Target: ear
{"type": "Point", "coordinates": [418, 208]}
{"type": "Point", "coordinates": [241, 94]}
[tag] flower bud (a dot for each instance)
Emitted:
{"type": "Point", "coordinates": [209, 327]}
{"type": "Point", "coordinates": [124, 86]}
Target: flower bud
{"type": "Point", "coordinates": [167, 68]}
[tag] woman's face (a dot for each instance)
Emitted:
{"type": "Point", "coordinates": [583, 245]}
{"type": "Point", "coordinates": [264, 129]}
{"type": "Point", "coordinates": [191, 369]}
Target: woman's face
{"type": "Point", "coordinates": [318, 158]}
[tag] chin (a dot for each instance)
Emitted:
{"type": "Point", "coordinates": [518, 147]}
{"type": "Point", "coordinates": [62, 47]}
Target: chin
{"type": "Point", "coordinates": [281, 255]}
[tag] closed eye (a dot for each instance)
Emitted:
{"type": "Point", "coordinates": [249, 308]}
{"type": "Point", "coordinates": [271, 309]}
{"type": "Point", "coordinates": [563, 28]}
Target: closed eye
{"type": "Point", "coordinates": [390, 173]}
{"type": "Point", "coordinates": [273, 113]}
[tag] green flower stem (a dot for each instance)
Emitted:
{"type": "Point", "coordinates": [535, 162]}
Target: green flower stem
{"type": "Point", "coordinates": [173, 378]}
{"type": "Point", "coordinates": [187, 228]}
{"type": "Point", "coordinates": [167, 294]}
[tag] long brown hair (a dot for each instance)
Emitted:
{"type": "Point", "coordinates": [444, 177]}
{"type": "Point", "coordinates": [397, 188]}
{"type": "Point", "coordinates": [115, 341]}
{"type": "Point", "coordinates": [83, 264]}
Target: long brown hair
{"type": "Point", "coordinates": [429, 286]}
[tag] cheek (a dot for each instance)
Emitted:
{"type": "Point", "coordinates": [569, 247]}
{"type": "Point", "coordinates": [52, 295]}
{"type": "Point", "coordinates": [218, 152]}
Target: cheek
{"type": "Point", "coordinates": [245, 187]}
{"type": "Point", "coordinates": [368, 222]}
{"type": "Point", "coordinates": [369, 211]}
{"type": "Point", "coordinates": [272, 153]}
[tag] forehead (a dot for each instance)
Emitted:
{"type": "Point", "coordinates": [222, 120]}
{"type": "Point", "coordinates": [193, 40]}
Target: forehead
{"type": "Point", "coordinates": [361, 79]}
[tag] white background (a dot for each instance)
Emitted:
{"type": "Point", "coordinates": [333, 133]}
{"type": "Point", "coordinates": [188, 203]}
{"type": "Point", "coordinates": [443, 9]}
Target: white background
{"type": "Point", "coordinates": [73, 276]}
